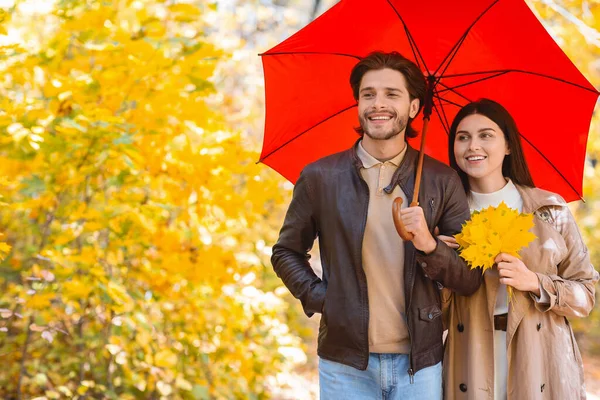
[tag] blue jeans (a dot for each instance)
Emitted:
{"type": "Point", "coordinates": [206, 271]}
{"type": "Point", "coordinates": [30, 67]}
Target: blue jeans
{"type": "Point", "coordinates": [386, 378]}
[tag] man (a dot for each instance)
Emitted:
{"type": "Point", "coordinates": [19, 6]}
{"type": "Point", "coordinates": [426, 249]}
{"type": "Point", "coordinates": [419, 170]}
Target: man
{"type": "Point", "coordinates": [381, 327]}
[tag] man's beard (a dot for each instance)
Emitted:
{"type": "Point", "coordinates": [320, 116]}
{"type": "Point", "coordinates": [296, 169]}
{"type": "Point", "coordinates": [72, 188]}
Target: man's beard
{"type": "Point", "coordinates": [399, 125]}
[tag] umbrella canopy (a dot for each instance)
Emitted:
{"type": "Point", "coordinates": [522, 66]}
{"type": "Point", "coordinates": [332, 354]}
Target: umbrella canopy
{"type": "Point", "coordinates": [469, 49]}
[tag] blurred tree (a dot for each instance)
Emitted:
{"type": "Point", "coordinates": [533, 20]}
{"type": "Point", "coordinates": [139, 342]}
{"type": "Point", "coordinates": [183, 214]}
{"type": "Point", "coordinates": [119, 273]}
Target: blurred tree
{"type": "Point", "coordinates": [137, 215]}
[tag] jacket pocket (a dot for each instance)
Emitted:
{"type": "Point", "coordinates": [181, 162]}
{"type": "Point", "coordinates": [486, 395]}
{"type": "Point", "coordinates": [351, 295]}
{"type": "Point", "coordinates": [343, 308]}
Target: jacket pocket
{"type": "Point", "coordinates": [576, 353]}
{"type": "Point", "coordinates": [430, 313]}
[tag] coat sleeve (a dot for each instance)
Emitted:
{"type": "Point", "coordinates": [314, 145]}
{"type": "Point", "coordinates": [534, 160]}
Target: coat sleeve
{"type": "Point", "coordinates": [572, 291]}
{"type": "Point", "coordinates": [290, 253]}
{"type": "Point", "coordinates": [444, 265]}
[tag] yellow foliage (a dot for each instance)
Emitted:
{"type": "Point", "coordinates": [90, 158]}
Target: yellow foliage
{"type": "Point", "coordinates": [39, 301]}
{"type": "Point", "coordinates": [4, 249]}
{"type": "Point", "coordinates": [165, 358]}
{"type": "Point", "coordinates": [492, 231]}
{"type": "Point", "coordinates": [133, 208]}
{"type": "Point", "coordinates": [76, 290]}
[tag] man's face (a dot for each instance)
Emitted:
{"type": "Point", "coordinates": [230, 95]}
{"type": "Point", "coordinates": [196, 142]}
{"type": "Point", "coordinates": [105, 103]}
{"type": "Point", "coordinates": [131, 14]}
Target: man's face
{"type": "Point", "coordinates": [384, 105]}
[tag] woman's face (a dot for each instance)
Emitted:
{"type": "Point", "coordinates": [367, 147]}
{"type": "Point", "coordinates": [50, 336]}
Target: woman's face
{"type": "Point", "coordinates": [480, 148]}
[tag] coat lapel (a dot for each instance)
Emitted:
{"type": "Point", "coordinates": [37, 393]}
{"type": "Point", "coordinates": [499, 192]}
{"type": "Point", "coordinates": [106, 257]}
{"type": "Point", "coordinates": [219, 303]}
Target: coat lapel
{"type": "Point", "coordinates": [533, 200]}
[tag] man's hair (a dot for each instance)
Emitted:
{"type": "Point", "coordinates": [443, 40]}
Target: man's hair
{"type": "Point", "coordinates": [415, 81]}
{"type": "Point", "coordinates": [514, 165]}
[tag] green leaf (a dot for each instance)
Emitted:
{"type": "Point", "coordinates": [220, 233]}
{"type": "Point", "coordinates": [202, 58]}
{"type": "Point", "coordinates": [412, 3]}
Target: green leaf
{"type": "Point", "coordinates": [125, 139]}
{"type": "Point", "coordinates": [33, 186]}
{"type": "Point", "coordinates": [200, 392]}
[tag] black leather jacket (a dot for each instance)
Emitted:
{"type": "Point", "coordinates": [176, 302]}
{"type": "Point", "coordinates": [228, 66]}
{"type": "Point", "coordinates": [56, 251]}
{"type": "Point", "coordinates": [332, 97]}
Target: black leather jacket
{"type": "Point", "coordinates": [330, 202]}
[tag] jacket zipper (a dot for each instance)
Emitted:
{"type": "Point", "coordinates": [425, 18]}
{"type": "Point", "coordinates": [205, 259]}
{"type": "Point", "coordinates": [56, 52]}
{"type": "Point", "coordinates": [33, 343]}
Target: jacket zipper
{"type": "Point", "coordinates": [362, 271]}
{"type": "Point", "coordinates": [410, 354]}
{"type": "Point", "coordinates": [410, 371]}
{"type": "Point", "coordinates": [409, 298]}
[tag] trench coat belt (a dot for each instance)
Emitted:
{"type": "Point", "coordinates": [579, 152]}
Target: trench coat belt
{"type": "Point", "coordinates": [500, 322]}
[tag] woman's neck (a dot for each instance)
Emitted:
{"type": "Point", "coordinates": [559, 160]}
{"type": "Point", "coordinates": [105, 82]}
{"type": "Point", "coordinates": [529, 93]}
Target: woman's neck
{"type": "Point", "coordinates": [487, 184]}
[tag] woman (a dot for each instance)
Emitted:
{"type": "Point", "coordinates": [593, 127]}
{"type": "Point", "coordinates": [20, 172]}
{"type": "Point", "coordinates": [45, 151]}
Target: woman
{"type": "Point", "coordinates": [524, 349]}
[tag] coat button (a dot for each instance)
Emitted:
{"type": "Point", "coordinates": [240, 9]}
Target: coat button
{"type": "Point", "coordinates": [424, 264]}
{"type": "Point", "coordinates": [430, 316]}
{"type": "Point", "coordinates": [462, 387]}
{"type": "Point", "coordinates": [460, 327]}
{"type": "Point", "coordinates": [539, 326]}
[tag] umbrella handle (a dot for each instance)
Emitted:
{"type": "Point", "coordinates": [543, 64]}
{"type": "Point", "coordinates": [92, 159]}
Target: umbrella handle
{"type": "Point", "coordinates": [400, 228]}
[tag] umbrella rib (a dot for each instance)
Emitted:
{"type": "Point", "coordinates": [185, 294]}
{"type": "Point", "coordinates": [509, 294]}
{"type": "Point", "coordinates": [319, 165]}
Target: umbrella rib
{"type": "Point", "coordinates": [505, 71]}
{"type": "Point", "coordinates": [447, 88]}
{"type": "Point", "coordinates": [459, 43]}
{"type": "Point", "coordinates": [448, 101]}
{"type": "Point", "coordinates": [305, 131]}
{"type": "Point", "coordinates": [552, 165]}
{"type": "Point", "coordinates": [411, 40]}
{"type": "Point", "coordinates": [455, 92]}
{"type": "Point", "coordinates": [454, 52]}
{"type": "Point", "coordinates": [442, 118]}
{"type": "Point", "coordinates": [285, 53]}
{"type": "Point", "coordinates": [442, 114]}
{"type": "Point", "coordinates": [441, 106]}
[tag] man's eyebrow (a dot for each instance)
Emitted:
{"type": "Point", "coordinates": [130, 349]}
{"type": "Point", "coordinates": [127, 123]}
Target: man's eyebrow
{"type": "Point", "coordinates": [389, 89]}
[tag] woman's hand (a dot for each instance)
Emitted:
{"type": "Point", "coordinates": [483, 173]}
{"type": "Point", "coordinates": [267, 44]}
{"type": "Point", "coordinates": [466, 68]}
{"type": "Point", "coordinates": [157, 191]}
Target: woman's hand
{"type": "Point", "coordinates": [449, 240]}
{"type": "Point", "coordinates": [516, 274]}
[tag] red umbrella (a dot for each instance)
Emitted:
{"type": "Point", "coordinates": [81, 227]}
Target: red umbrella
{"type": "Point", "coordinates": [468, 49]}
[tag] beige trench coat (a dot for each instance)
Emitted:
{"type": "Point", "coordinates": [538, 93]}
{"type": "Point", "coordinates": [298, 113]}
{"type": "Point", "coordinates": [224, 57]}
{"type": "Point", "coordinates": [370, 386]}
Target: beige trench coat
{"type": "Point", "coordinates": [543, 358]}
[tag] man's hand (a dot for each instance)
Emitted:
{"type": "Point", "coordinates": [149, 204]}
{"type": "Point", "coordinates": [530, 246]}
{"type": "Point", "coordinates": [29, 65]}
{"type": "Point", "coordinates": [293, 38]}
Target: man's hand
{"type": "Point", "coordinates": [414, 222]}
{"type": "Point", "coordinates": [514, 273]}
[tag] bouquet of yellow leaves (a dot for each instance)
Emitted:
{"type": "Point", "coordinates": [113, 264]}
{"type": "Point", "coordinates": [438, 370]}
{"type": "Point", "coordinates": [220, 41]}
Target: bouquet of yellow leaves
{"type": "Point", "coordinates": [492, 231]}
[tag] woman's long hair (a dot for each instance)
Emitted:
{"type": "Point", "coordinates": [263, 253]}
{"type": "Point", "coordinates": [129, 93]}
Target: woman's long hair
{"type": "Point", "coordinates": [514, 165]}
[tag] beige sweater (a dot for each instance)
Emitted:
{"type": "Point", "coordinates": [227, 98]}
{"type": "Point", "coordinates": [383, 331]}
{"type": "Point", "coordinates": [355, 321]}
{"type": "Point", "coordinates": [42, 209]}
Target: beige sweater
{"type": "Point", "coordinates": [383, 258]}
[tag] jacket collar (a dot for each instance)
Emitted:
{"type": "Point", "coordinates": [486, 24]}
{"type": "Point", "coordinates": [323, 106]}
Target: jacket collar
{"type": "Point", "coordinates": [535, 198]}
{"type": "Point", "coordinates": [404, 173]}
{"type": "Point", "coordinates": [369, 161]}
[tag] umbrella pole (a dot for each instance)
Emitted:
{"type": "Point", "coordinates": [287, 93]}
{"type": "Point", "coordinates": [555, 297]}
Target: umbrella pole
{"type": "Point", "coordinates": [397, 205]}
{"type": "Point", "coordinates": [415, 199]}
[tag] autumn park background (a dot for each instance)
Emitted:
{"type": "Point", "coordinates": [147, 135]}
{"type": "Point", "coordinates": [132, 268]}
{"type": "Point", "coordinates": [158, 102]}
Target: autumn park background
{"type": "Point", "coordinates": [137, 226]}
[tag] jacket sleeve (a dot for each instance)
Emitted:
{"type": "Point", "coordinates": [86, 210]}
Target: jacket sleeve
{"type": "Point", "coordinates": [572, 290]}
{"type": "Point", "coordinates": [290, 253]}
{"type": "Point", "coordinates": [446, 300]}
{"type": "Point", "coordinates": [444, 265]}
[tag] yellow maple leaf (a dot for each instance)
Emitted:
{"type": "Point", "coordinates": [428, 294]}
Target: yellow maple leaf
{"type": "Point", "coordinates": [39, 301]}
{"type": "Point", "coordinates": [492, 231]}
{"type": "Point", "coordinates": [4, 250]}
{"type": "Point", "coordinates": [76, 290]}
{"type": "Point", "coordinates": [165, 358]}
